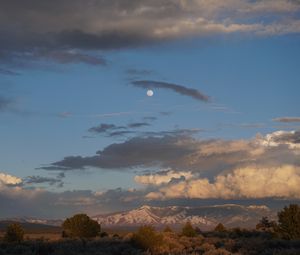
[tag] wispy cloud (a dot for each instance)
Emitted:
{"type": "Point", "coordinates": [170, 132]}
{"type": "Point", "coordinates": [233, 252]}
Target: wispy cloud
{"type": "Point", "coordinates": [138, 124]}
{"type": "Point", "coordinates": [42, 180]}
{"type": "Point", "coordinates": [103, 128]}
{"type": "Point", "coordinates": [287, 119]}
{"type": "Point", "coordinates": [180, 89]}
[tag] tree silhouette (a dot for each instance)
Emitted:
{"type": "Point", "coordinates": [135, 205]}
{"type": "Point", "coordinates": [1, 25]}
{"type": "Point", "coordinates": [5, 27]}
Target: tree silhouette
{"type": "Point", "coordinates": [82, 226]}
{"type": "Point", "coordinates": [220, 228]}
{"type": "Point", "coordinates": [289, 222]}
{"type": "Point", "coordinates": [14, 233]}
{"type": "Point", "coordinates": [266, 225]}
{"type": "Point", "coordinates": [188, 230]}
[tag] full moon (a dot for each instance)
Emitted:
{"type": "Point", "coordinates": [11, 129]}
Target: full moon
{"type": "Point", "coordinates": [150, 93]}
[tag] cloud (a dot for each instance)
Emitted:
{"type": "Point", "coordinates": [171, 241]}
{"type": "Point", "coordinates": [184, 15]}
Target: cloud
{"type": "Point", "coordinates": [138, 124]}
{"type": "Point", "coordinates": [112, 130]}
{"type": "Point", "coordinates": [121, 133]}
{"type": "Point", "coordinates": [37, 202]}
{"type": "Point", "coordinates": [137, 151]}
{"type": "Point", "coordinates": [289, 138]}
{"type": "Point", "coordinates": [249, 182]}
{"type": "Point", "coordinates": [6, 179]}
{"type": "Point", "coordinates": [54, 27]}
{"type": "Point", "coordinates": [287, 119]}
{"type": "Point", "coordinates": [162, 177]}
{"type": "Point", "coordinates": [103, 128]}
{"type": "Point", "coordinates": [41, 180]}
{"type": "Point", "coordinates": [176, 88]}
{"type": "Point", "coordinates": [178, 150]}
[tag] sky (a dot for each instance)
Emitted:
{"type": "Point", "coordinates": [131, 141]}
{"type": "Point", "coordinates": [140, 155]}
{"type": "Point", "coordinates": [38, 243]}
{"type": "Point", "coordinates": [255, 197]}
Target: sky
{"type": "Point", "coordinates": [78, 132]}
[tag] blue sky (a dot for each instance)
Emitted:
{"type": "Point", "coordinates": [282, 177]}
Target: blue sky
{"type": "Point", "coordinates": [251, 79]}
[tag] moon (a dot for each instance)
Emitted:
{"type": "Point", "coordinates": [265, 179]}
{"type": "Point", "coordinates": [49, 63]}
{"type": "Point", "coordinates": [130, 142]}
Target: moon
{"type": "Point", "coordinates": [150, 93]}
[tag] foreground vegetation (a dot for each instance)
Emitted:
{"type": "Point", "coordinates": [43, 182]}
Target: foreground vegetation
{"type": "Point", "coordinates": [82, 235]}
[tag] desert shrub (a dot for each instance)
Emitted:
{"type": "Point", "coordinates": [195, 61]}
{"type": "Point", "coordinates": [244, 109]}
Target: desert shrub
{"type": "Point", "coordinates": [82, 226]}
{"type": "Point", "coordinates": [103, 234]}
{"type": "Point", "coordinates": [266, 225]}
{"type": "Point", "coordinates": [220, 251]}
{"type": "Point", "coordinates": [171, 243]}
{"type": "Point", "coordinates": [147, 238]}
{"type": "Point", "coordinates": [188, 230]}
{"type": "Point", "coordinates": [220, 228]}
{"type": "Point", "coordinates": [289, 222]}
{"type": "Point", "coordinates": [167, 229]}
{"type": "Point", "coordinates": [14, 233]}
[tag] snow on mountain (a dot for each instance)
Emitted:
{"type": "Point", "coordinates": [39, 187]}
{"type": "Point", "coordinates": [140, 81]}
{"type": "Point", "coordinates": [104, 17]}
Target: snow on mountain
{"type": "Point", "coordinates": [205, 217]}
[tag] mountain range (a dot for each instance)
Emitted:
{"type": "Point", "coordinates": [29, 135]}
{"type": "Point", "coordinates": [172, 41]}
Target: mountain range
{"type": "Point", "coordinates": [205, 217]}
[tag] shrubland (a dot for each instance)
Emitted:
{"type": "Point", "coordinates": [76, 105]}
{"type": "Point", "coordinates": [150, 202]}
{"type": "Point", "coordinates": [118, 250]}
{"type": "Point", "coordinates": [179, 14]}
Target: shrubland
{"type": "Point", "coordinates": [82, 236]}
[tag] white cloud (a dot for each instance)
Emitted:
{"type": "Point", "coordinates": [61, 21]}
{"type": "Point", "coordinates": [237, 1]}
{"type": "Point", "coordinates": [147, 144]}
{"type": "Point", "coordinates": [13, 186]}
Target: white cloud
{"type": "Point", "coordinates": [247, 182]}
{"type": "Point", "coordinates": [6, 179]}
{"type": "Point", "coordinates": [162, 177]}
{"type": "Point", "coordinates": [275, 139]}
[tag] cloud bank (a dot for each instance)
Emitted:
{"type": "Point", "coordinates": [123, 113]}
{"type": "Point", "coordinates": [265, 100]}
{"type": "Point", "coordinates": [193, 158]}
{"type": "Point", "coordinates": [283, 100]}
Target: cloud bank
{"type": "Point", "coordinates": [55, 31]}
{"type": "Point", "coordinates": [248, 182]}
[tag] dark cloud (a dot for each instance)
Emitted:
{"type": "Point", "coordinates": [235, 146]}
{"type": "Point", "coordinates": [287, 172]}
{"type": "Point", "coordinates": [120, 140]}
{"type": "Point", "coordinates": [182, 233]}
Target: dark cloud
{"type": "Point", "coordinates": [290, 137]}
{"type": "Point", "coordinates": [137, 151]}
{"type": "Point", "coordinates": [120, 133]}
{"type": "Point", "coordinates": [287, 119]}
{"type": "Point", "coordinates": [175, 87]}
{"type": "Point", "coordinates": [105, 40]}
{"type": "Point", "coordinates": [41, 180]}
{"type": "Point", "coordinates": [114, 130]}
{"type": "Point", "coordinates": [102, 128]}
{"type": "Point", "coordinates": [27, 27]}
{"type": "Point", "coordinates": [178, 150]}
{"type": "Point", "coordinates": [50, 168]}
{"type": "Point", "coordinates": [138, 124]}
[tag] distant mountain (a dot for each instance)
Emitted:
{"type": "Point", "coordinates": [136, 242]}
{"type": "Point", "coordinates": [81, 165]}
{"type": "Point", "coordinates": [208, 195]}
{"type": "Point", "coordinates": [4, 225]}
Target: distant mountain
{"type": "Point", "coordinates": [206, 217]}
{"type": "Point", "coordinates": [29, 227]}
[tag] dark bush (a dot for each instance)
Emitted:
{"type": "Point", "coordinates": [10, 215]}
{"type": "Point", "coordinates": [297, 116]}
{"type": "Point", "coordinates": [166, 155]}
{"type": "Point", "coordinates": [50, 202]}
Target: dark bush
{"type": "Point", "coordinates": [14, 233]}
{"type": "Point", "coordinates": [289, 222]}
{"type": "Point", "coordinates": [266, 225]}
{"type": "Point", "coordinates": [220, 228]}
{"type": "Point", "coordinates": [82, 226]}
{"type": "Point", "coordinates": [188, 230]}
{"type": "Point", "coordinates": [103, 234]}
